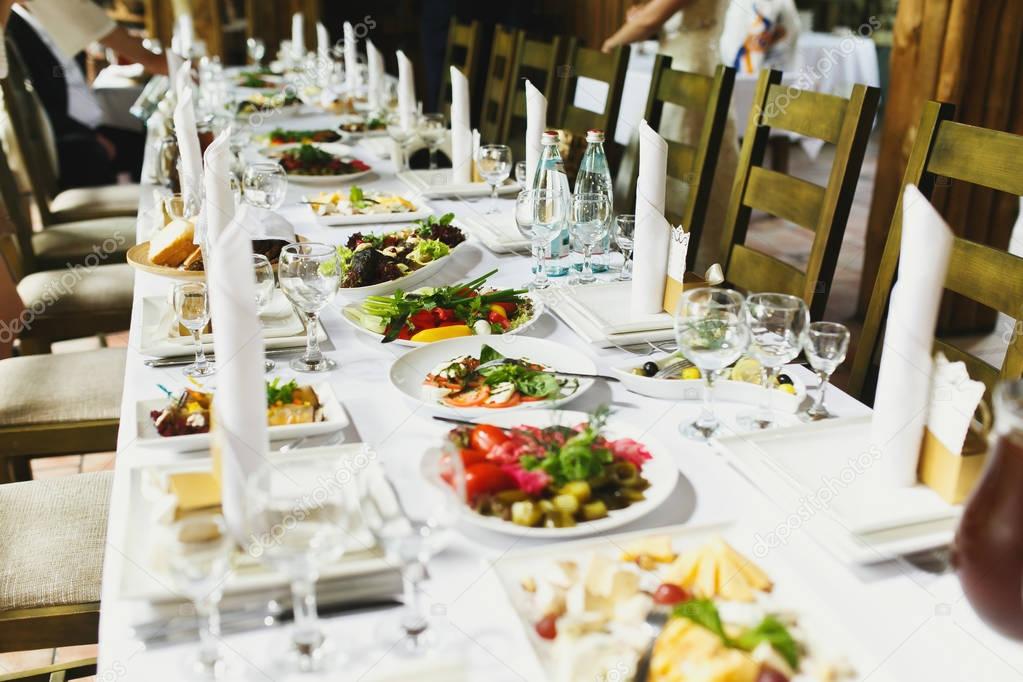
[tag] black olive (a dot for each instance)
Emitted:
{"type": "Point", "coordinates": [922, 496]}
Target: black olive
{"type": "Point", "coordinates": [784, 379]}
{"type": "Point", "coordinates": [650, 368]}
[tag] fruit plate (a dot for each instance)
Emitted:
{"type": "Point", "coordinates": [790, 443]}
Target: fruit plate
{"type": "Point", "coordinates": [790, 593]}
{"type": "Point", "coordinates": [661, 471]}
{"type": "Point", "coordinates": [725, 390]}
{"type": "Point", "coordinates": [408, 371]}
{"type": "Point", "coordinates": [350, 315]}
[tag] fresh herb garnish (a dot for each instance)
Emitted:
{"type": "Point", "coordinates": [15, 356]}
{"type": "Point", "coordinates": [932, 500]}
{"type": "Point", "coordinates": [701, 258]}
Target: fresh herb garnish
{"type": "Point", "coordinates": [424, 226]}
{"type": "Point", "coordinates": [703, 612]}
{"type": "Point", "coordinates": [284, 393]}
{"type": "Point", "coordinates": [579, 458]}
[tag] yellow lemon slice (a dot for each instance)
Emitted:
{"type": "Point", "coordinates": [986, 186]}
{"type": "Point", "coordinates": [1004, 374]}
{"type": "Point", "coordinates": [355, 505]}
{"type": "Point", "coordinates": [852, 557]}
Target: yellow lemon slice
{"type": "Point", "coordinates": [746, 369]}
{"type": "Point", "coordinates": [691, 373]}
{"type": "Point", "coordinates": [441, 333]}
{"type": "Point", "coordinates": [788, 388]}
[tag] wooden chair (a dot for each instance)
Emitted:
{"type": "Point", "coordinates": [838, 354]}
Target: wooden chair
{"type": "Point", "coordinates": [689, 164]}
{"type": "Point", "coordinates": [538, 61]}
{"type": "Point", "coordinates": [989, 276]}
{"type": "Point", "coordinates": [497, 90]}
{"type": "Point", "coordinates": [463, 52]}
{"type": "Point", "coordinates": [846, 123]}
{"type": "Point", "coordinates": [58, 672]}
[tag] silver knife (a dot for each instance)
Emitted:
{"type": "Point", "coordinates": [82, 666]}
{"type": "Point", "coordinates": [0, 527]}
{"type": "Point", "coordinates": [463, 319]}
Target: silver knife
{"type": "Point", "coordinates": [183, 360]}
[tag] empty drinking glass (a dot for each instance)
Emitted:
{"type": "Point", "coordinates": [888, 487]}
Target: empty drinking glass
{"type": "Point", "coordinates": [525, 216]}
{"type": "Point", "coordinates": [310, 273]}
{"type": "Point", "coordinates": [179, 208]}
{"type": "Point", "coordinates": [494, 162]}
{"type": "Point", "coordinates": [825, 347]}
{"type": "Point", "coordinates": [711, 330]}
{"type": "Point", "coordinates": [589, 220]}
{"type": "Point", "coordinates": [264, 291]}
{"type": "Point", "coordinates": [550, 209]}
{"type": "Point", "coordinates": [777, 324]}
{"type": "Point", "coordinates": [265, 185]}
{"type": "Point", "coordinates": [192, 307]}
{"type": "Point", "coordinates": [401, 136]}
{"type": "Point", "coordinates": [624, 232]}
{"type": "Point", "coordinates": [520, 173]}
{"type": "Point", "coordinates": [255, 48]}
{"type": "Point", "coordinates": [433, 129]}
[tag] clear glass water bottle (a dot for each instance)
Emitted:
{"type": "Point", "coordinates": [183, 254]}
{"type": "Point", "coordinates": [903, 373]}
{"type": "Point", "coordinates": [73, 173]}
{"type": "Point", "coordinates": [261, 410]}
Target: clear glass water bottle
{"type": "Point", "coordinates": [594, 177]}
{"type": "Point", "coordinates": [550, 175]}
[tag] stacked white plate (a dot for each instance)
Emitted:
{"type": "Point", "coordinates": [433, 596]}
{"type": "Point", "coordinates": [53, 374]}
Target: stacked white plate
{"type": "Point", "coordinates": [600, 314]}
{"type": "Point", "coordinates": [499, 232]}
{"type": "Point", "coordinates": [438, 184]}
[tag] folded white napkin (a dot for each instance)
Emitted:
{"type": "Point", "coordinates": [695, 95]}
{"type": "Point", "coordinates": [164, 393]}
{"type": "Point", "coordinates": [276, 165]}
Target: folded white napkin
{"type": "Point", "coordinates": [174, 62]}
{"type": "Point", "coordinates": [678, 249]}
{"type": "Point", "coordinates": [351, 59]}
{"type": "Point", "coordinates": [904, 380]}
{"type": "Point", "coordinates": [322, 53]}
{"type": "Point", "coordinates": [297, 35]}
{"type": "Point", "coordinates": [406, 91]}
{"type": "Point", "coordinates": [188, 141]}
{"type": "Point", "coordinates": [262, 223]}
{"type": "Point", "coordinates": [536, 124]}
{"type": "Point", "coordinates": [461, 129]}
{"type": "Point", "coordinates": [375, 70]}
{"type": "Point", "coordinates": [218, 210]}
{"type": "Point", "coordinates": [653, 233]}
{"type": "Point", "coordinates": [239, 428]}
{"type": "Point", "coordinates": [954, 399]}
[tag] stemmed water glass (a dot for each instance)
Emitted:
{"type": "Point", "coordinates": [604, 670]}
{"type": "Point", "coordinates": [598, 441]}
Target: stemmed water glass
{"type": "Point", "coordinates": [589, 221]}
{"type": "Point", "coordinates": [414, 532]}
{"type": "Point", "coordinates": [432, 128]}
{"type": "Point", "coordinates": [255, 48]}
{"type": "Point", "coordinates": [711, 330]}
{"type": "Point", "coordinates": [401, 136]}
{"type": "Point", "coordinates": [192, 307]}
{"type": "Point", "coordinates": [623, 233]}
{"type": "Point", "coordinates": [494, 162]}
{"type": "Point", "coordinates": [310, 273]}
{"type": "Point", "coordinates": [777, 325]}
{"type": "Point", "coordinates": [199, 553]}
{"type": "Point", "coordinates": [549, 212]}
{"type": "Point", "coordinates": [825, 347]}
{"type": "Point", "coordinates": [298, 521]}
{"type": "Point", "coordinates": [264, 291]}
{"type": "Point", "coordinates": [178, 207]}
{"type": "Point", "coordinates": [520, 174]}
{"type": "Point", "coordinates": [265, 185]}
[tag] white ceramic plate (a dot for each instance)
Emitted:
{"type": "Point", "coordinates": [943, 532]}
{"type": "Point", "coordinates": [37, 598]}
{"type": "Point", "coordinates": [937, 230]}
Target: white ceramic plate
{"type": "Point", "coordinates": [337, 149]}
{"type": "Point", "coordinates": [408, 371]}
{"type": "Point", "coordinates": [725, 390]}
{"type": "Point", "coordinates": [335, 418]}
{"type": "Point", "coordinates": [498, 233]}
{"type": "Point", "coordinates": [405, 283]}
{"type": "Point", "coordinates": [347, 313]}
{"type": "Point", "coordinates": [338, 220]}
{"type": "Point", "coordinates": [661, 470]}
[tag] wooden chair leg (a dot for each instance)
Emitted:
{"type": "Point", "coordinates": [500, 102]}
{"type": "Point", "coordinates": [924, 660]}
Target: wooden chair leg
{"type": "Point", "coordinates": [21, 469]}
{"type": "Point", "coordinates": [34, 346]}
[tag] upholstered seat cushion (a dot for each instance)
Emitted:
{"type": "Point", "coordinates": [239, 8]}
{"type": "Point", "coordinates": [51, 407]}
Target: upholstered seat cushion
{"type": "Point", "coordinates": [85, 203]}
{"type": "Point", "coordinates": [54, 534]}
{"type": "Point", "coordinates": [106, 239]}
{"type": "Point", "coordinates": [78, 290]}
{"type": "Point", "coordinates": [61, 388]}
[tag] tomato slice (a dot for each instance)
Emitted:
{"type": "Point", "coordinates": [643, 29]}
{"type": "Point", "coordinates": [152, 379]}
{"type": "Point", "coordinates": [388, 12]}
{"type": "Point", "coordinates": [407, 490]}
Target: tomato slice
{"type": "Point", "coordinates": [485, 478]}
{"type": "Point", "coordinates": [532, 398]}
{"type": "Point", "coordinates": [422, 319]}
{"type": "Point", "coordinates": [485, 436]}
{"type": "Point", "coordinates": [471, 457]}
{"type": "Point", "coordinates": [468, 398]}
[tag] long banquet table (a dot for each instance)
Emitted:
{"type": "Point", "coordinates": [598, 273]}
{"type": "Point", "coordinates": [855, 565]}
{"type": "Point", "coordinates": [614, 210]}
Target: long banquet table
{"type": "Point", "coordinates": [915, 625]}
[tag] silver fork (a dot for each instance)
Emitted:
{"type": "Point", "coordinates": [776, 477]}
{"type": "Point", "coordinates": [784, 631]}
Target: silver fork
{"type": "Point", "coordinates": [655, 620]}
{"type": "Point", "coordinates": [513, 361]}
{"type": "Point", "coordinates": [673, 367]}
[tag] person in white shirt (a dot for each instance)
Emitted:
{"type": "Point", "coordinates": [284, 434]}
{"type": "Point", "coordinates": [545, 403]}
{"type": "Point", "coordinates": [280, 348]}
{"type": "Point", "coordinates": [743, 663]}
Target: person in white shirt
{"type": "Point", "coordinates": [760, 34]}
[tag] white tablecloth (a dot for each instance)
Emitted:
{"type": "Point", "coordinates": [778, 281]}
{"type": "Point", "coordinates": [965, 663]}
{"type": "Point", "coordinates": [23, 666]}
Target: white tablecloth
{"type": "Point", "coordinates": [916, 626]}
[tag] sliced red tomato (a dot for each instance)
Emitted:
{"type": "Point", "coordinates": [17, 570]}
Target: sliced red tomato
{"type": "Point", "coordinates": [484, 478]}
{"type": "Point", "coordinates": [422, 319]}
{"type": "Point", "coordinates": [405, 334]}
{"type": "Point", "coordinates": [485, 437]}
{"type": "Point", "coordinates": [499, 319]}
{"type": "Point", "coordinates": [532, 398]}
{"type": "Point", "coordinates": [468, 398]}
{"type": "Point", "coordinates": [469, 457]}
{"type": "Point", "coordinates": [444, 314]}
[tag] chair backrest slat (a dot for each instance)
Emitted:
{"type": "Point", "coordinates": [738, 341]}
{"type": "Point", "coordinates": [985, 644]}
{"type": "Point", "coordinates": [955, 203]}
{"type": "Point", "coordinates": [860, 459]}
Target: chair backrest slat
{"type": "Point", "coordinates": [462, 51]}
{"type": "Point", "coordinates": [779, 276]}
{"type": "Point", "coordinates": [688, 90]}
{"type": "Point", "coordinates": [979, 156]}
{"type": "Point", "coordinates": [813, 114]}
{"type": "Point", "coordinates": [538, 61]}
{"type": "Point", "coordinates": [681, 158]}
{"type": "Point", "coordinates": [584, 62]}
{"type": "Point", "coordinates": [497, 90]}
{"type": "Point", "coordinates": [790, 198]}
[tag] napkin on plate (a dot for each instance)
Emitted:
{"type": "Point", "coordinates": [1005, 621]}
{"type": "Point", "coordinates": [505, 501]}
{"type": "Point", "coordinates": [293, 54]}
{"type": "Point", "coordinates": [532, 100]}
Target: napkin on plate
{"type": "Point", "coordinates": [536, 124]}
{"type": "Point", "coordinates": [297, 35]}
{"type": "Point", "coordinates": [904, 379]}
{"type": "Point", "coordinates": [461, 129]}
{"type": "Point", "coordinates": [351, 61]}
{"type": "Point", "coordinates": [954, 399]}
{"type": "Point", "coordinates": [406, 91]}
{"type": "Point", "coordinates": [188, 140]}
{"type": "Point", "coordinates": [653, 233]}
{"type": "Point", "coordinates": [219, 206]}
{"type": "Point", "coordinates": [375, 74]}
{"type": "Point", "coordinates": [239, 429]}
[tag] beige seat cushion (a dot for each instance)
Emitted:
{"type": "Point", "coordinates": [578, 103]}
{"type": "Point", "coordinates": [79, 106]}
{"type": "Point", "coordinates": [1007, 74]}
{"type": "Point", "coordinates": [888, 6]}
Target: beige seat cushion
{"type": "Point", "coordinates": [76, 291]}
{"type": "Point", "coordinates": [61, 388]}
{"type": "Point", "coordinates": [54, 533]}
{"type": "Point", "coordinates": [85, 203]}
{"type": "Point", "coordinates": [106, 239]}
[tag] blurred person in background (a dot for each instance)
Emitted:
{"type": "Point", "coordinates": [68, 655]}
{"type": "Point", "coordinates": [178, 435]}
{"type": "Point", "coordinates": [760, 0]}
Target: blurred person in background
{"type": "Point", "coordinates": [760, 34]}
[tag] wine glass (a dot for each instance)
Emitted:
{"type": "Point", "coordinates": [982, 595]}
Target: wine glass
{"type": "Point", "coordinates": [255, 48]}
{"type": "Point", "coordinates": [432, 128]}
{"type": "Point", "coordinates": [589, 220]}
{"type": "Point", "coordinates": [264, 291]}
{"type": "Point", "coordinates": [550, 210]}
{"type": "Point", "coordinates": [520, 173]}
{"type": "Point", "coordinates": [180, 208]}
{"type": "Point", "coordinates": [401, 137]}
{"type": "Point", "coordinates": [624, 232]}
{"type": "Point", "coordinates": [198, 556]}
{"type": "Point", "coordinates": [192, 307]}
{"type": "Point", "coordinates": [825, 347]}
{"type": "Point", "coordinates": [777, 325]}
{"type": "Point", "coordinates": [265, 185]}
{"type": "Point", "coordinates": [412, 531]}
{"type": "Point", "coordinates": [310, 274]}
{"type": "Point", "coordinates": [711, 330]}
{"type": "Point", "coordinates": [525, 219]}
{"type": "Point", "coordinates": [494, 162]}
{"type": "Point", "coordinates": [298, 521]}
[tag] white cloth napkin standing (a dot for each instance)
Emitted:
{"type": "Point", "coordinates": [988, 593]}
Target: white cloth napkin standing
{"type": "Point", "coordinates": [322, 53]}
{"type": "Point", "coordinates": [954, 399]}
{"type": "Point", "coordinates": [536, 124]}
{"type": "Point", "coordinates": [351, 59]}
{"type": "Point", "coordinates": [461, 129]}
{"type": "Point", "coordinates": [653, 233]}
{"type": "Point", "coordinates": [297, 35]}
{"type": "Point", "coordinates": [406, 91]}
{"type": "Point", "coordinates": [184, 34]}
{"type": "Point", "coordinates": [678, 249]}
{"type": "Point", "coordinates": [904, 380]}
{"type": "Point", "coordinates": [239, 404]}
{"type": "Point", "coordinates": [188, 142]}
{"type": "Point", "coordinates": [219, 206]}
{"type": "Point", "coordinates": [375, 75]}
{"type": "Point", "coordinates": [174, 62]}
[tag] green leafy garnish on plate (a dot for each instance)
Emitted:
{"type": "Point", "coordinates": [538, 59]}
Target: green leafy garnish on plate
{"type": "Point", "coordinates": [704, 612]}
{"type": "Point", "coordinates": [275, 391]}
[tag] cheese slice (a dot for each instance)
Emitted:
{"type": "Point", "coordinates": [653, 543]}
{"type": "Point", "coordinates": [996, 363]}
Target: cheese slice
{"type": "Point", "coordinates": [194, 490]}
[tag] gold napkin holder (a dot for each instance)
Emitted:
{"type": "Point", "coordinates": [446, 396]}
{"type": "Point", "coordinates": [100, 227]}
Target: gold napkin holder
{"type": "Point", "coordinates": [953, 475]}
{"type": "Point", "coordinates": [674, 288]}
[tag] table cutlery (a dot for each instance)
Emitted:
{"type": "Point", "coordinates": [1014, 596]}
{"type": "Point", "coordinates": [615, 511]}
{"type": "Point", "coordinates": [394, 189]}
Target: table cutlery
{"type": "Point", "coordinates": [456, 420]}
{"type": "Point", "coordinates": [672, 368]}
{"type": "Point", "coordinates": [655, 620]}
{"type": "Point", "coordinates": [178, 361]}
{"type": "Point", "coordinates": [513, 361]}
